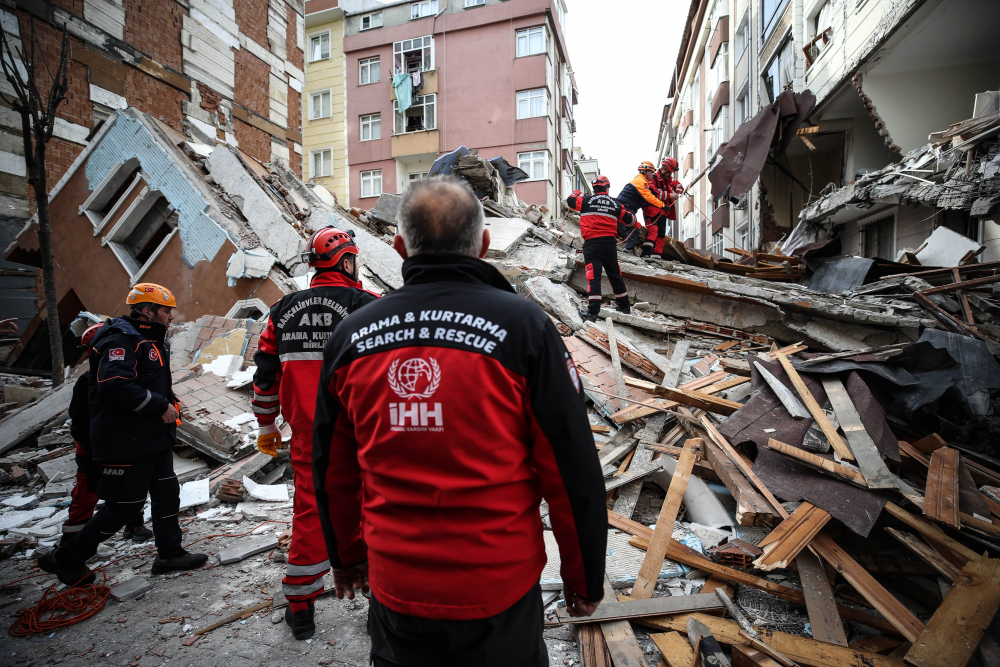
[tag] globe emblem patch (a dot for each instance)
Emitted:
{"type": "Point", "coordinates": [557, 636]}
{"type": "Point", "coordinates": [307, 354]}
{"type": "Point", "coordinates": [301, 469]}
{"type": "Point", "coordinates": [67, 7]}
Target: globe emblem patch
{"type": "Point", "coordinates": [415, 378]}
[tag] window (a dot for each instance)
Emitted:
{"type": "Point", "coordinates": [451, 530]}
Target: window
{"type": "Point", "coordinates": [319, 47]}
{"type": "Point", "coordinates": [370, 21]}
{"type": "Point", "coordinates": [371, 127]}
{"type": "Point", "coordinates": [780, 74]}
{"type": "Point", "coordinates": [535, 164]}
{"type": "Point", "coordinates": [474, 3]}
{"type": "Point", "coordinates": [743, 236]}
{"type": "Point", "coordinates": [422, 115]}
{"type": "Point", "coordinates": [531, 41]}
{"type": "Point", "coordinates": [422, 9]}
{"type": "Point", "coordinates": [371, 183]}
{"type": "Point", "coordinates": [319, 105]}
{"type": "Point", "coordinates": [720, 9]}
{"type": "Point", "coordinates": [416, 177]}
{"type": "Point", "coordinates": [110, 196]}
{"type": "Point", "coordinates": [769, 12]}
{"type": "Point", "coordinates": [322, 163]}
{"type": "Point", "coordinates": [960, 222]}
{"type": "Point", "coordinates": [718, 243]}
{"type": "Point", "coordinates": [532, 103]}
{"type": "Point", "coordinates": [819, 32]}
{"type": "Point", "coordinates": [413, 55]}
{"type": "Point", "coordinates": [742, 108]}
{"type": "Point", "coordinates": [252, 309]}
{"type": "Point", "coordinates": [142, 231]}
{"type": "Point", "coordinates": [720, 68]}
{"type": "Point", "coordinates": [877, 238]}
{"type": "Point", "coordinates": [742, 37]}
{"type": "Point", "coordinates": [717, 136]}
{"type": "Point", "coordinates": [370, 70]}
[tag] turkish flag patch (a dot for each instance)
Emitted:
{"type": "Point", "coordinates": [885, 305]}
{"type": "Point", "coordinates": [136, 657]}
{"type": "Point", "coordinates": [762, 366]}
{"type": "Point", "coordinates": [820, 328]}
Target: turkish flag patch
{"type": "Point", "coordinates": [116, 354]}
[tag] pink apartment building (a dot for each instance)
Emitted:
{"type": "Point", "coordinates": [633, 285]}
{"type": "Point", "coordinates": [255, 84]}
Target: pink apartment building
{"type": "Point", "coordinates": [492, 75]}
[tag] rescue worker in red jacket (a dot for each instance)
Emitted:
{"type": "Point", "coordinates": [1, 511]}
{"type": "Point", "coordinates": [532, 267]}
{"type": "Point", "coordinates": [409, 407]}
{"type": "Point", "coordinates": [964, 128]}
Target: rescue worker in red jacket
{"type": "Point", "coordinates": [288, 361]}
{"type": "Point", "coordinates": [668, 190]}
{"type": "Point", "coordinates": [447, 410]}
{"type": "Point", "coordinates": [600, 216]}
{"type": "Point", "coordinates": [637, 195]}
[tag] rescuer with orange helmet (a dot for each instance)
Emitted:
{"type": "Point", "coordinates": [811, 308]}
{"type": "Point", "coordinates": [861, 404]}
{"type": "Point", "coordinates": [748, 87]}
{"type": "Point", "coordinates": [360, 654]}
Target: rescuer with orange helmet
{"type": "Point", "coordinates": [636, 195]}
{"type": "Point", "coordinates": [288, 359]}
{"type": "Point", "coordinates": [133, 428]}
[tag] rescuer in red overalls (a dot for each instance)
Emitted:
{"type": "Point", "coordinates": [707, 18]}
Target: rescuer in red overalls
{"type": "Point", "coordinates": [667, 189]}
{"type": "Point", "coordinates": [288, 360]}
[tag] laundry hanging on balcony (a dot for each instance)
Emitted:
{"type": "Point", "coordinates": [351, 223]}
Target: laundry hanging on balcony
{"type": "Point", "coordinates": [403, 85]}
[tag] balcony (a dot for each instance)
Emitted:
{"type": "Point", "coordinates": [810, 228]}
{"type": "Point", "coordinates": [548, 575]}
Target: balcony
{"type": "Point", "coordinates": [719, 37]}
{"type": "Point", "coordinates": [414, 143]}
{"type": "Point", "coordinates": [720, 99]}
{"type": "Point", "coordinates": [430, 85]}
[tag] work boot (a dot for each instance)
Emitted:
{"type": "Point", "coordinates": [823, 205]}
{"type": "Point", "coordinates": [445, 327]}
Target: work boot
{"type": "Point", "coordinates": [48, 562]}
{"type": "Point", "coordinates": [646, 252]}
{"type": "Point", "coordinates": [188, 561]}
{"type": "Point", "coordinates": [301, 622]}
{"type": "Point", "coordinates": [588, 316]}
{"type": "Point", "coordinates": [137, 533]}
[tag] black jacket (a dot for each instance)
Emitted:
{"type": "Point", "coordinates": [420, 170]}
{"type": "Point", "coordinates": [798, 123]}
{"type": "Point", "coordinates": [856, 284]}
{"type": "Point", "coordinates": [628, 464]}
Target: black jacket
{"type": "Point", "coordinates": [130, 390]}
{"type": "Point", "coordinates": [447, 410]}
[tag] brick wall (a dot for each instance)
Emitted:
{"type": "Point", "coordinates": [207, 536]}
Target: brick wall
{"type": "Point", "coordinates": [154, 97]}
{"type": "Point", "coordinates": [295, 55]}
{"type": "Point", "coordinates": [253, 83]}
{"type": "Point", "coordinates": [769, 230]}
{"type": "Point", "coordinates": [294, 161]}
{"type": "Point", "coordinates": [155, 29]}
{"type": "Point", "coordinates": [76, 108]}
{"type": "Point", "coordinates": [251, 17]}
{"type": "Point", "coordinates": [59, 155]}
{"type": "Point", "coordinates": [253, 142]}
{"type": "Point", "coordinates": [72, 6]}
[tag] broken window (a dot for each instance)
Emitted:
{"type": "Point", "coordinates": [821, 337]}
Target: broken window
{"type": "Point", "coordinates": [371, 127]}
{"type": "Point", "coordinates": [421, 115]}
{"type": "Point", "coordinates": [319, 104]}
{"type": "Point", "coordinates": [416, 176]}
{"type": "Point", "coordinates": [422, 9]}
{"type": "Point", "coordinates": [531, 41]}
{"type": "Point", "coordinates": [877, 238]}
{"type": "Point", "coordinates": [413, 55]}
{"type": "Point", "coordinates": [959, 221]}
{"type": "Point", "coordinates": [142, 232]}
{"type": "Point", "coordinates": [370, 70]}
{"type": "Point", "coordinates": [743, 107]}
{"type": "Point", "coordinates": [820, 28]}
{"type": "Point", "coordinates": [535, 164]}
{"type": "Point", "coordinates": [248, 309]}
{"type": "Point", "coordinates": [107, 199]}
{"type": "Point", "coordinates": [370, 21]}
{"type": "Point", "coordinates": [780, 74]}
{"type": "Point", "coordinates": [371, 183]}
{"type": "Point", "coordinates": [533, 103]}
{"type": "Point", "coordinates": [319, 46]}
{"type": "Point", "coordinates": [322, 163]}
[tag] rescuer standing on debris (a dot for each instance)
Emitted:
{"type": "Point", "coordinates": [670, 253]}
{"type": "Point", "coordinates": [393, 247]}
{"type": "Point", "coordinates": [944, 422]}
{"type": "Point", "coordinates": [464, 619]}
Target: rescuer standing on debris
{"type": "Point", "coordinates": [600, 215]}
{"type": "Point", "coordinates": [637, 195]}
{"type": "Point", "coordinates": [667, 189]}
{"type": "Point", "coordinates": [84, 495]}
{"type": "Point", "coordinates": [446, 411]}
{"type": "Point", "coordinates": [288, 362]}
{"type": "Point", "coordinates": [133, 425]}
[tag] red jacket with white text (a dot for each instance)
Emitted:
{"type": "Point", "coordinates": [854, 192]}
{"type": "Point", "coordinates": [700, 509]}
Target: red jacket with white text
{"type": "Point", "coordinates": [664, 187]}
{"type": "Point", "coordinates": [290, 351]}
{"type": "Point", "coordinates": [447, 410]}
{"type": "Point", "coordinates": [600, 214]}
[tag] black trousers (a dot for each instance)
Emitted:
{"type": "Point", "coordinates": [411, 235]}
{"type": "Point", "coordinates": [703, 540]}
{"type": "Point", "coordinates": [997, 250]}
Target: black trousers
{"type": "Point", "coordinates": [601, 254]}
{"type": "Point", "coordinates": [512, 638]}
{"type": "Point", "coordinates": [630, 234]}
{"type": "Point", "coordinates": [123, 487]}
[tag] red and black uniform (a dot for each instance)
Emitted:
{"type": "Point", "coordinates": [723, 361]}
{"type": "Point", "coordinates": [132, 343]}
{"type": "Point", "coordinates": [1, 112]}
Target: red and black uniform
{"type": "Point", "coordinates": [288, 361]}
{"type": "Point", "coordinates": [638, 194]}
{"type": "Point", "coordinates": [447, 410]}
{"type": "Point", "coordinates": [656, 218]}
{"type": "Point", "coordinates": [600, 215]}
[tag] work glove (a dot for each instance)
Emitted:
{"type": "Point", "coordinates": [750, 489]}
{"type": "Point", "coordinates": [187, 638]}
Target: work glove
{"type": "Point", "coordinates": [268, 439]}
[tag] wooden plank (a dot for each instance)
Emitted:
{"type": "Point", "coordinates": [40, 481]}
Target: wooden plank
{"type": "Point", "coordinates": [600, 428]}
{"type": "Point", "coordinates": [877, 644]}
{"type": "Point", "coordinates": [593, 649]}
{"type": "Point", "coordinates": [628, 495]}
{"type": "Point", "coordinates": [629, 526]}
{"type": "Point", "coordinates": [692, 398]}
{"type": "Point", "coordinates": [791, 536]}
{"type": "Point", "coordinates": [963, 299]}
{"type": "Point", "coordinates": [952, 634]}
{"type": "Point", "coordinates": [747, 656]}
{"type": "Point", "coordinates": [616, 363]}
{"type": "Point", "coordinates": [814, 409]}
{"type": "Point", "coordinates": [674, 648]}
{"type": "Point", "coordinates": [907, 449]}
{"type": "Point", "coordinates": [970, 500]}
{"type": "Point", "coordinates": [820, 604]}
{"type": "Point", "coordinates": [722, 386]}
{"type": "Point", "coordinates": [645, 582]}
{"type": "Point", "coordinates": [751, 508]}
{"type": "Point", "coordinates": [703, 381]}
{"type": "Point", "coordinates": [862, 446]}
{"type": "Point", "coordinates": [817, 462]}
{"type": "Point", "coordinates": [706, 647]}
{"type": "Point", "coordinates": [941, 493]}
{"type": "Point", "coordinates": [677, 359]}
{"type": "Point", "coordinates": [931, 531]}
{"type": "Point", "coordinates": [620, 639]}
{"type": "Point", "coordinates": [930, 443]}
{"type": "Point", "coordinates": [927, 553]}
{"type": "Point", "coordinates": [802, 650]}
{"type": "Point", "coordinates": [633, 473]}
{"type": "Point", "coordinates": [634, 609]}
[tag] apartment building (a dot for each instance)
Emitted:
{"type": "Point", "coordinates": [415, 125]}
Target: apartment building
{"type": "Point", "coordinates": [491, 75]}
{"type": "Point", "coordinates": [885, 74]}
{"type": "Point", "coordinates": [324, 125]}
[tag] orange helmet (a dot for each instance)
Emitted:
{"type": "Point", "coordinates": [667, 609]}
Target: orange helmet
{"type": "Point", "coordinates": [328, 245]}
{"type": "Point", "coordinates": [151, 293]}
{"type": "Point", "coordinates": [646, 165]}
{"type": "Point", "coordinates": [88, 335]}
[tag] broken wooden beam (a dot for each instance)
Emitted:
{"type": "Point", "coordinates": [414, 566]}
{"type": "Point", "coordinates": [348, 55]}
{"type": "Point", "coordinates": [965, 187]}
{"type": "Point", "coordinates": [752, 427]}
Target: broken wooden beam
{"type": "Point", "coordinates": [941, 493]}
{"type": "Point", "coordinates": [751, 508]}
{"type": "Point", "coordinates": [925, 552]}
{"type": "Point", "coordinates": [791, 536]}
{"type": "Point", "coordinates": [675, 649]}
{"type": "Point", "coordinates": [635, 609]}
{"type": "Point", "coordinates": [817, 462]}
{"type": "Point", "coordinates": [824, 617]}
{"type": "Point", "coordinates": [868, 458]}
{"type": "Point", "coordinates": [692, 398]}
{"type": "Point", "coordinates": [931, 531]}
{"type": "Point", "coordinates": [815, 410]}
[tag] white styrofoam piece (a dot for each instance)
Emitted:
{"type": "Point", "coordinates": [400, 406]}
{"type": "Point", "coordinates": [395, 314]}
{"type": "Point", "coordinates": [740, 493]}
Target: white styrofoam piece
{"type": "Point", "coordinates": [194, 493]}
{"type": "Point", "coordinates": [945, 248]}
{"type": "Point", "coordinates": [269, 492]}
{"type": "Point", "coordinates": [224, 364]}
{"type": "Point", "coordinates": [622, 564]}
{"type": "Point", "coordinates": [16, 519]}
{"type": "Point", "coordinates": [20, 502]}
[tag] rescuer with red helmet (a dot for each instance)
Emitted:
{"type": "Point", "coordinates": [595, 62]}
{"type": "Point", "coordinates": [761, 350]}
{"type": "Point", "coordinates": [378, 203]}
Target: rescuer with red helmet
{"type": "Point", "coordinates": [668, 190]}
{"type": "Point", "coordinates": [600, 216]}
{"type": "Point", "coordinates": [288, 359]}
{"type": "Point", "coordinates": [637, 195]}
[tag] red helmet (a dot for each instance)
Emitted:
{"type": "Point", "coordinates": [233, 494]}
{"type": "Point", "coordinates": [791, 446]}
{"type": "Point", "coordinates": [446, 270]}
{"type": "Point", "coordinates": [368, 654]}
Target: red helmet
{"type": "Point", "coordinates": [88, 336]}
{"type": "Point", "coordinates": [601, 182]}
{"type": "Point", "coordinates": [669, 163]}
{"type": "Point", "coordinates": [328, 245]}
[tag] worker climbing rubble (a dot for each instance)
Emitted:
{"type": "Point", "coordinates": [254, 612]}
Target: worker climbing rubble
{"type": "Point", "coordinates": [133, 428]}
{"type": "Point", "coordinates": [668, 190]}
{"type": "Point", "coordinates": [288, 361]}
{"type": "Point", "coordinates": [600, 215]}
{"type": "Point", "coordinates": [637, 195]}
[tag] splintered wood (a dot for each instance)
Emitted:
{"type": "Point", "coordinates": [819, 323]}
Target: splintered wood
{"type": "Point", "coordinates": [791, 536]}
{"type": "Point", "coordinates": [815, 410]}
{"type": "Point", "coordinates": [817, 462]}
{"type": "Point", "coordinates": [941, 493]}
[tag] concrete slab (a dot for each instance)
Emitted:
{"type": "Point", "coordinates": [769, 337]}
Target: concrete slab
{"type": "Point", "coordinates": [246, 548]}
{"type": "Point", "coordinates": [129, 589]}
{"type": "Point", "coordinates": [58, 469]}
{"type": "Point", "coordinates": [58, 489]}
{"type": "Point", "coordinates": [30, 420]}
{"type": "Point", "coordinates": [505, 235]}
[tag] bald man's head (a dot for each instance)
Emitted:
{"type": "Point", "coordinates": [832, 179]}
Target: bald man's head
{"type": "Point", "coordinates": [441, 216]}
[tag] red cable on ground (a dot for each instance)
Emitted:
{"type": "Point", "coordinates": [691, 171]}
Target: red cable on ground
{"type": "Point", "coordinates": [78, 603]}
